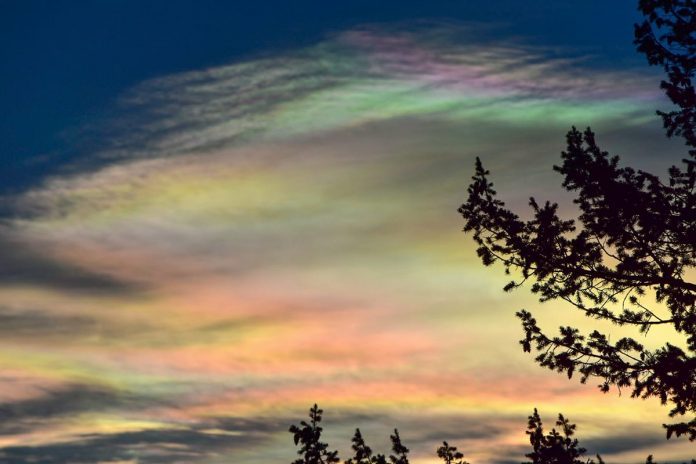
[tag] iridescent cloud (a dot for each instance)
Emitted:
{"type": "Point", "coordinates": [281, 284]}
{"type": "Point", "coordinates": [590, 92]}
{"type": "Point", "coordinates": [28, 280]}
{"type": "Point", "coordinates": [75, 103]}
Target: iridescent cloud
{"type": "Point", "coordinates": [261, 236]}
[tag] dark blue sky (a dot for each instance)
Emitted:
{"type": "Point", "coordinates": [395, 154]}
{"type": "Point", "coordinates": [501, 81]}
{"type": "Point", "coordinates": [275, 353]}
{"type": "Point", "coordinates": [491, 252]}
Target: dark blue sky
{"type": "Point", "coordinates": [64, 62]}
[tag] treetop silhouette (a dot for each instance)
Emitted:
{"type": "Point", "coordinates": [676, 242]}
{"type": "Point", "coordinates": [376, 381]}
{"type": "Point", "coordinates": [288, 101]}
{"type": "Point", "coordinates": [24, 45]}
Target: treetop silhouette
{"type": "Point", "coordinates": [450, 455]}
{"type": "Point", "coordinates": [555, 447]}
{"type": "Point", "coordinates": [399, 451]}
{"type": "Point", "coordinates": [363, 453]}
{"type": "Point", "coordinates": [313, 450]}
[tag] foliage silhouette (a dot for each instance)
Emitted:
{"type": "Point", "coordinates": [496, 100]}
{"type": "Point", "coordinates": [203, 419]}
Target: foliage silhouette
{"type": "Point", "coordinates": [450, 455]}
{"type": "Point", "coordinates": [313, 451]}
{"type": "Point", "coordinates": [363, 453]}
{"type": "Point", "coordinates": [555, 447]}
{"type": "Point", "coordinates": [667, 38]}
{"type": "Point", "coordinates": [635, 238]}
{"type": "Point", "coordinates": [400, 452]}
{"type": "Point", "coordinates": [552, 448]}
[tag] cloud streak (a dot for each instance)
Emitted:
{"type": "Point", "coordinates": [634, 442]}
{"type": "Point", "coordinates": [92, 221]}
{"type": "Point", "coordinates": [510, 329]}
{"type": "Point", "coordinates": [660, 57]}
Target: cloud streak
{"type": "Point", "coordinates": [368, 75]}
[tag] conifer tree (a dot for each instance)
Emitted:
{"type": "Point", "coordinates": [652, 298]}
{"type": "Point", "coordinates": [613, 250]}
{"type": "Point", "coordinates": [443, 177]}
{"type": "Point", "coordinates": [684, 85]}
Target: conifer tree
{"type": "Point", "coordinates": [308, 434]}
{"type": "Point", "coordinates": [555, 447]}
{"type": "Point", "coordinates": [363, 453]}
{"type": "Point", "coordinates": [400, 452]}
{"type": "Point", "coordinates": [450, 455]}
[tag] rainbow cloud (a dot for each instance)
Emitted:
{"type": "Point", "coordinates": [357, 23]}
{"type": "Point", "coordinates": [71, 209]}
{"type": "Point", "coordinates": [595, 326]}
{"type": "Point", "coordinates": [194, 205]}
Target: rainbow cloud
{"type": "Point", "coordinates": [260, 236]}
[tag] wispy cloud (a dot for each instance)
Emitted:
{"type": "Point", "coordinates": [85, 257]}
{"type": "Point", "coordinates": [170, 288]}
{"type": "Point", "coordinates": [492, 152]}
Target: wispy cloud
{"type": "Point", "coordinates": [367, 75]}
{"type": "Point", "coordinates": [256, 237]}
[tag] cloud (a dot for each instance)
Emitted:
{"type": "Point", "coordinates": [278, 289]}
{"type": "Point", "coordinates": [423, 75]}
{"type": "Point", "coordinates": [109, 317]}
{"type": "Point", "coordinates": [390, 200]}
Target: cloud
{"type": "Point", "coordinates": [36, 323]}
{"type": "Point", "coordinates": [614, 443]}
{"type": "Point", "coordinates": [68, 400]}
{"type": "Point", "coordinates": [24, 263]}
{"type": "Point", "coordinates": [258, 236]}
{"type": "Point", "coordinates": [182, 444]}
{"type": "Point", "coordinates": [147, 447]}
{"type": "Point", "coordinates": [366, 75]}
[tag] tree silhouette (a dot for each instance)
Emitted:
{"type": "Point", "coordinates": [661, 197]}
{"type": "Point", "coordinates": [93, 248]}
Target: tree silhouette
{"type": "Point", "coordinates": [667, 39]}
{"type": "Point", "coordinates": [363, 453]}
{"type": "Point", "coordinates": [313, 451]}
{"type": "Point", "coordinates": [450, 455]}
{"type": "Point", "coordinates": [400, 452]}
{"type": "Point", "coordinates": [555, 447]}
{"type": "Point", "coordinates": [635, 240]}
{"type": "Point", "coordinates": [552, 448]}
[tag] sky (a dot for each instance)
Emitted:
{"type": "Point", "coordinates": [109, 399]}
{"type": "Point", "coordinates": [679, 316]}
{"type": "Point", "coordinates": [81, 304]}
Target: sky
{"type": "Point", "coordinates": [216, 214]}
